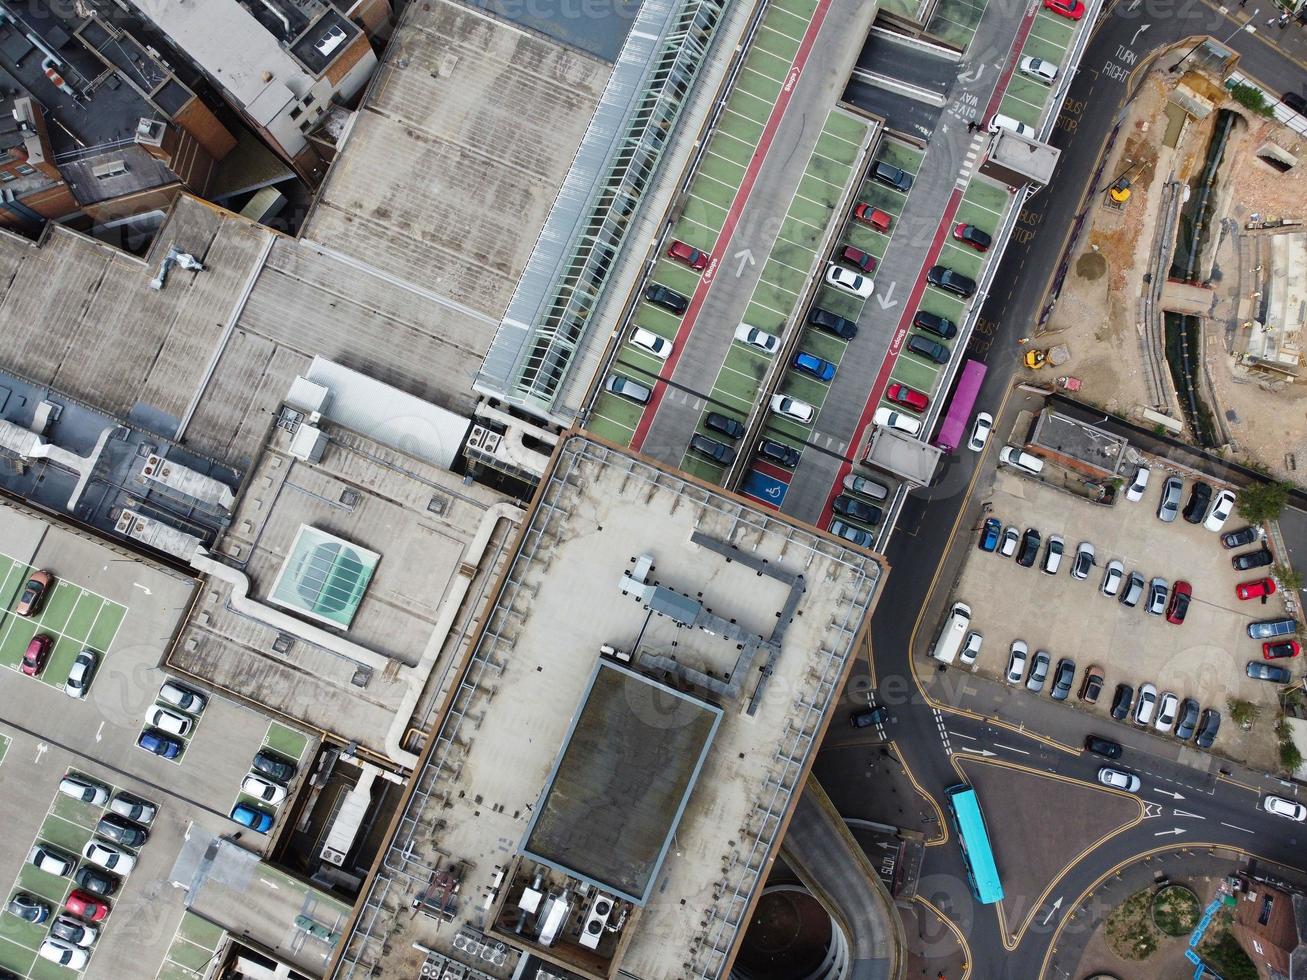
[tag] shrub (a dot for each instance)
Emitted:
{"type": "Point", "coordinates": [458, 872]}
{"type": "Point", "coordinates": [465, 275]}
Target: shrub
{"type": "Point", "coordinates": [1262, 501]}
{"type": "Point", "coordinates": [1251, 98]}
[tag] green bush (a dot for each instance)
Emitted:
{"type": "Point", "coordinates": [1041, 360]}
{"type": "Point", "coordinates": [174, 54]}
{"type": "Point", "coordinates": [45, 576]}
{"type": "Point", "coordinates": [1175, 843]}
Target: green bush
{"type": "Point", "coordinates": [1251, 98]}
{"type": "Point", "coordinates": [1290, 757]}
{"type": "Point", "coordinates": [1262, 501]}
{"type": "Point", "coordinates": [1228, 959]}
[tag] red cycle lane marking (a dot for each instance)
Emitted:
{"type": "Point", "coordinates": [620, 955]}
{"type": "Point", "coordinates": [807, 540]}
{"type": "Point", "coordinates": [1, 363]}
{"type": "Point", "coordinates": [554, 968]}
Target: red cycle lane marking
{"type": "Point", "coordinates": [1010, 63]}
{"type": "Point", "coordinates": [732, 219]}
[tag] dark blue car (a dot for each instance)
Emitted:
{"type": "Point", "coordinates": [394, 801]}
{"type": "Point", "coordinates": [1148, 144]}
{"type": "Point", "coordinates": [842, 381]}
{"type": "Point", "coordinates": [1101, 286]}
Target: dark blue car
{"type": "Point", "coordinates": [990, 534]}
{"type": "Point", "coordinates": [157, 742]}
{"type": "Point", "coordinates": [252, 817]}
{"type": "Point", "coordinates": [813, 366]}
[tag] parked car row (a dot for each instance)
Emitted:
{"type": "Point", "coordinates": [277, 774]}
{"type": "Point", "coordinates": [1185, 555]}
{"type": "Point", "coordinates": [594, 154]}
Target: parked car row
{"type": "Point", "coordinates": [1034, 671]}
{"type": "Point", "coordinates": [170, 719]}
{"type": "Point", "coordinates": [1166, 713]}
{"type": "Point", "coordinates": [266, 781]}
{"type": "Point", "coordinates": [106, 859]}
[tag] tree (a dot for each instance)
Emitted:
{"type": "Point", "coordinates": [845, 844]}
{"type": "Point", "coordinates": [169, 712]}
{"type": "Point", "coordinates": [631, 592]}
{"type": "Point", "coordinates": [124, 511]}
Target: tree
{"type": "Point", "coordinates": [1262, 501]}
{"type": "Point", "coordinates": [1242, 712]}
{"type": "Point", "coordinates": [1290, 578]}
{"type": "Point", "coordinates": [1290, 757]}
{"type": "Point", "coordinates": [1251, 98]}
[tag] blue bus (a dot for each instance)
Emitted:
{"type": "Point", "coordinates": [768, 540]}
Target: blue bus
{"type": "Point", "coordinates": [974, 838]}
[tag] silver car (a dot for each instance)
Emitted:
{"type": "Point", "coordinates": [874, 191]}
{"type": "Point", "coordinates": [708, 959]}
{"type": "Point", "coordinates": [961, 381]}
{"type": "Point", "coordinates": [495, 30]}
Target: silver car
{"type": "Point", "coordinates": [1038, 672]}
{"type": "Point", "coordinates": [1117, 779]}
{"type": "Point", "coordinates": [1145, 705]}
{"type": "Point", "coordinates": [1172, 491]}
{"type": "Point", "coordinates": [1112, 578]}
{"type": "Point", "coordinates": [971, 648]}
{"type": "Point", "coordinates": [1016, 664]}
{"type": "Point", "coordinates": [1157, 592]}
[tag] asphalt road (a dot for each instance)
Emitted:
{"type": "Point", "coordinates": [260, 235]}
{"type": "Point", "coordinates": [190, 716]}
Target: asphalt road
{"type": "Point", "coordinates": [1218, 811]}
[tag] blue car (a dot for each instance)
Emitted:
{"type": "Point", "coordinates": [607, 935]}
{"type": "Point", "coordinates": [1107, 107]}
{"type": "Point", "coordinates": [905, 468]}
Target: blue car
{"type": "Point", "coordinates": [153, 740]}
{"type": "Point", "coordinates": [990, 534]}
{"type": "Point", "coordinates": [814, 366]}
{"type": "Point", "coordinates": [252, 817]}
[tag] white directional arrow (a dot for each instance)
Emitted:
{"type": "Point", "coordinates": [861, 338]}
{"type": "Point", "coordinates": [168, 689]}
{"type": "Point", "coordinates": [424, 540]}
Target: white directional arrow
{"type": "Point", "coordinates": [98, 731]}
{"type": "Point", "coordinates": [886, 299]}
{"type": "Point", "coordinates": [40, 750]}
{"type": "Point", "coordinates": [982, 752]}
{"type": "Point", "coordinates": [1138, 32]}
{"type": "Point", "coordinates": [1167, 792]}
{"type": "Point", "coordinates": [1186, 813]}
{"type": "Point", "coordinates": [746, 259]}
{"type": "Point", "coordinates": [1163, 833]}
{"type": "Point", "coordinates": [1056, 905]}
{"type": "Point", "coordinates": [974, 75]}
{"type": "Point", "coordinates": [142, 588]}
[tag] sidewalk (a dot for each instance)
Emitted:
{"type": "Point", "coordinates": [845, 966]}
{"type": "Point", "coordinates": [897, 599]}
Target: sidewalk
{"type": "Point", "coordinates": [934, 949]}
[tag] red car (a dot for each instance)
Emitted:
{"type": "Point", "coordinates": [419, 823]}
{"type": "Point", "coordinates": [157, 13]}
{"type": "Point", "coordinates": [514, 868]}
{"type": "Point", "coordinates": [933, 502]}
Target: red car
{"type": "Point", "coordinates": [875, 217]}
{"type": "Point", "coordinates": [1280, 649]}
{"type": "Point", "coordinates": [86, 906]}
{"type": "Point", "coordinates": [973, 236]}
{"type": "Point", "coordinates": [691, 256]}
{"type": "Point", "coordinates": [1255, 589]}
{"type": "Point", "coordinates": [1176, 609]}
{"type": "Point", "coordinates": [857, 257]}
{"type": "Point", "coordinates": [1072, 9]}
{"type": "Point", "coordinates": [907, 397]}
{"type": "Point", "coordinates": [37, 650]}
{"type": "Point", "coordinates": [34, 593]}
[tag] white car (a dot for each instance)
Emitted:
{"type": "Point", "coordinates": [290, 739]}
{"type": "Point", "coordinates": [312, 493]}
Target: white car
{"type": "Point", "coordinates": [50, 860]}
{"type": "Point", "coordinates": [1016, 662]}
{"type": "Point", "coordinates": [999, 121]}
{"type": "Point", "coordinates": [1112, 578]}
{"type": "Point", "coordinates": [1220, 511]}
{"type": "Point", "coordinates": [1285, 808]}
{"type": "Point", "coordinates": [263, 790]}
{"type": "Point", "coordinates": [971, 648]}
{"type": "Point", "coordinates": [108, 856]}
{"type": "Point", "coordinates": [1135, 492]}
{"type": "Point", "coordinates": [1117, 779]}
{"type": "Point", "coordinates": [901, 421]}
{"type": "Point", "coordinates": [980, 430]}
{"type": "Point", "coordinates": [63, 953]}
{"type": "Point", "coordinates": [1021, 460]}
{"type": "Point", "coordinates": [168, 721]}
{"type": "Point", "coordinates": [647, 340]}
{"type": "Point", "coordinates": [848, 281]}
{"type": "Point", "coordinates": [1039, 69]}
{"type": "Point", "coordinates": [80, 674]}
{"type": "Point", "coordinates": [1145, 705]}
{"type": "Point", "coordinates": [759, 339]}
{"type": "Point", "coordinates": [1011, 538]}
{"type": "Point", "coordinates": [1166, 709]}
{"type": "Point", "coordinates": [192, 702]}
{"type": "Point", "coordinates": [133, 808]}
{"type": "Point", "coordinates": [1053, 553]}
{"type": "Point", "coordinates": [71, 926]}
{"type": "Point", "coordinates": [80, 788]}
{"type": "Point", "coordinates": [792, 408]}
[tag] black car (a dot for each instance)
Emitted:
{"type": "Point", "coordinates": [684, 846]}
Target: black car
{"type": "Point", "coordinates": [866, 717]}
{"type": "Point", "coordinates": [940, 326]}
{"type": "Point", "coordinates": [95, 881]}
{"type": "Point", "coordinates": [727, 426]}
{"type": "Point", "coordinates": [70, 930]}
{"type": "Point", "coordinates": [27, 907]}
{"type": "Point", "coordinates": [1252, 559]}
{"type": "Point", "coordinates": [1208, 726]}
{"type": "Point", "coordinates": [832, 323]}
{"type": "Point", "coordinates": [778, 453]}
{"type": "Point", "coordinates": [274, 766]}
{"type": "Point", "coordinates": [857, 509]}
{"type": "Point", "coordinates": [718, 452]}
{"type": "Point", "coordinates": [1029, 548]}
{"type": "Point", "coordinates": [973, 236]}
{"type": "Point", "coordinates": [1062, 679]}
{"type": "Point", "coordinates": [668, 299]}
{"type": "Point", "coordinates": [900, 180]}
{"type": "Point", "coordinates": [927, 348]}
{"type": "Point", "coordinates": [1239, 537]}
{"type": "Point", "coordinates": [1187, 721]}
{"type": "Point", "coordinates": [1103, 746]}
{"type": "Point", "coordinates": [1295, 102]}
{"type": "Point", "coordinates": [121, 831]}
{"type": "Point", "coordinates": [1121, 701]}
{"type": "Point", "coordinates": [1274, 673]}
{"type": "Point", "coordinates": [950, 281]}
{"type": "Point", "coordinates": [1200, 497]}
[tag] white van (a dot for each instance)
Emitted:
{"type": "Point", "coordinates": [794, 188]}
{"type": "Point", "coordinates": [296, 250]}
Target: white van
{"type": "Point", "coordinates": [999, 121]}
{"type": "Point", "coordinates": [955, 630]}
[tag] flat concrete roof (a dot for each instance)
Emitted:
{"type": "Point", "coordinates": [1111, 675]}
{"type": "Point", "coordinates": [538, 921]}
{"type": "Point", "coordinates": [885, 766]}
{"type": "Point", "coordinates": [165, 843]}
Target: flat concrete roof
{"type": "Point", "coordinates": [598, 511]}
{"type": "Point", "coordinates": [628, 766]}
{"type": "Point", "coordinates": [456, 156]}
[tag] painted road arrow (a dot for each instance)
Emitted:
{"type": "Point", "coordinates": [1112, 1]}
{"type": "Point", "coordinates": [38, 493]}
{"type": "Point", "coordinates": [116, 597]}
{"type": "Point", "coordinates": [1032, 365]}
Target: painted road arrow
{"type": "Point", "coordinates": [746, 259]}
{"type": "Point", "coordinates": [983, 752]}
{"type": "Point", "coordinates": [886, 299]}
{"type": "Point", "coordinates": [1167, 792]}
{"type": "Point", "coordinates": [1056, 905]}
{"type": "Point", "coordinates": [1163, 833]}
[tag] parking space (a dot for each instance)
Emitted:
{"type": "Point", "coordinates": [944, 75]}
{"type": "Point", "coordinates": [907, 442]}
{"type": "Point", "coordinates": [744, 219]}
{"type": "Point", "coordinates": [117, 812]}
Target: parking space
{"type": "Point", "coordinates": [707, 201]}
{"type": "Point", "coordinates": [785, 272]}
{"type": "Point", "coordinates": [1204, 657]}
{"type": "Point", "coordinates": [193, 946]}
{"type": "Point", "coordinates": [955, 21]}
{"type": "Point", "coordinates": [74, 617]}
{"type": "Point", "coordinates": [1049, 38]}
{"type": "Point", "coordinates": [284, 742]}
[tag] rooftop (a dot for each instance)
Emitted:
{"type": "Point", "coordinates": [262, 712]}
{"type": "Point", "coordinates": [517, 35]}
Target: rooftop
{"type": "Point", "coordinates": [607, 523]}
{"type": "Point", "coordinates": [1079, 441]}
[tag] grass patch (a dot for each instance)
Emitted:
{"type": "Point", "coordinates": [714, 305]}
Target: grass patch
{"type": "Point", "coordinates": [1175, 911]}
{"type": "Point", "coordinates": [1222, 952]}
{"type": "Point", "coordinates": [1130, 931]}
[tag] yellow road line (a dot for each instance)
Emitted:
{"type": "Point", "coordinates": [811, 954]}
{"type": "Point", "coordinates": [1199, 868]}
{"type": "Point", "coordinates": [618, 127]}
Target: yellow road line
{"type": "Point", "coordinates": [957, 933]}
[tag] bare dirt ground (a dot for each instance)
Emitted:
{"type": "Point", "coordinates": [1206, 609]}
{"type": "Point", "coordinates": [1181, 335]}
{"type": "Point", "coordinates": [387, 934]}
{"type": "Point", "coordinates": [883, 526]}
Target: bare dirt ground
{"type": "Point", "coordinates": [1098, 313]}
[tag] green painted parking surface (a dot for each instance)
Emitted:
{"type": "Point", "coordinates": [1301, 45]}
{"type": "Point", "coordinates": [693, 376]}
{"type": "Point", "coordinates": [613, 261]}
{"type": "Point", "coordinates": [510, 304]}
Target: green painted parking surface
{"type": "Point", "coordinates": [784, 278]}
{"type": "Point", "coordinates": [286, 741]}
{"type": "Point", "coordinates": [1049, 38]}
{"type": "Point", "coordinates": [74, 617]}
{"type": "Point", "coordinates": [955, 21]}
{"type": "Point", "coordinates": [1037, 47]}
{"type": "Point", "coordinates": [15, 956]}
{"type": "Point", "coordinates": [5, 742]}
{"type": "Point", "coordinates": [193, 945]}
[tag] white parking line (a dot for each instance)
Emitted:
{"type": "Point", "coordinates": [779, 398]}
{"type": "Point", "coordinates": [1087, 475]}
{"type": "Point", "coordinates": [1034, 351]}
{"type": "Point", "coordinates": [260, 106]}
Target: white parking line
{"type": "Point", "coordinates": [739, 115]}
{"type": "Point", "coordinates": [685, 217]}
{"type": "Point", "coordinates": [710, 152]}
{"type": "Point", "coordinates": [772, 54]}
{"type": "Point", "coordinates": [708, 204]}
{"type": "Point", "coordinates": [731, 136]}
{"type": "Point", "coordinates": [770, 103]}
{"type": "Point", "coordinates": [767, 24]}
{"type": "Point", "coordinates": [773, 79]}
{"type": "Point", "coordinates": [804, 197]}
{"type": "Point", "coordinates": [620, 425]}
